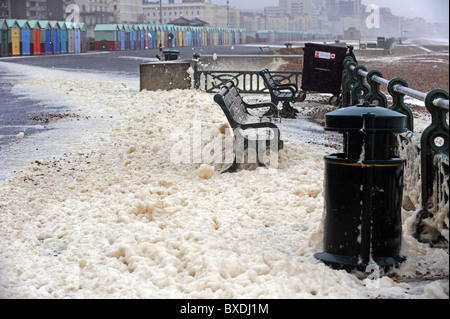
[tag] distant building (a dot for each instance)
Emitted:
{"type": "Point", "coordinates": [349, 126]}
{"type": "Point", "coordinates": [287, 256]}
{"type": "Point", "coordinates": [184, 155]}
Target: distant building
{"type": "Point", "coordinates": [352, 34]}
{"type": "Point", "coordinates": [38, 9]}
{"type": "Point", "coordinates": [4, 9]}
{"type": "Point", "coordinates": [188, 9]}
{"type": "Point", "coordinates": [128, 11]}
{"type": "Point", "coordinates": [252, 22]}
{"type": "Point", "coordinates": [226, 16]}
{"type": "Point", "coordinates": [336, 9]}
{"type": "Point", "coordinates": [294, 15]}
{"type": "Point", "coordinates": [190, 23]}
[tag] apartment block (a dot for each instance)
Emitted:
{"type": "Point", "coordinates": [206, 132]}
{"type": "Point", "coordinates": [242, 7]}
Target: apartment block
{"type": "Point", "coordinates": [38, 9]}
{"type": "Point", "coordinates": [94, 12]}
{"type": "Point", "coordinates": [4, 9]}
{"type": "Point", "coordinates": [156, 13]}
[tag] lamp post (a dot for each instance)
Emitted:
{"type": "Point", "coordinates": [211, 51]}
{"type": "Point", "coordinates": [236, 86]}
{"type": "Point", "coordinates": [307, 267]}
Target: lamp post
{"type": "Point", "coordinates": [160, 22]}
{"type": "Point", "coordinates": [9, 9]}
{"type": "Point", "coordinates": [228, 13]}
{"type": "Point", "coordinates": [160, 12]}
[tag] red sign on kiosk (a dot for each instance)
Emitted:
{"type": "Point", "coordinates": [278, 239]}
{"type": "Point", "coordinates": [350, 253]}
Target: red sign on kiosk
{"type": "Point", "coordinates": [325, 55]}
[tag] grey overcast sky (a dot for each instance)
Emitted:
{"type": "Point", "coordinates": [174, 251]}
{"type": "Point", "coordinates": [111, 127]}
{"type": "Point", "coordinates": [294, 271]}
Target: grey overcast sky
{"type": "Point", "coordinates": [431, 10]}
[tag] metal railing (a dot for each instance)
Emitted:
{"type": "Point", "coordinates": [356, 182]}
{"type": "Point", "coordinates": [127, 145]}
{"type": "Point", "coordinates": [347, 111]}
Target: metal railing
{"type": "Point", "coordinates": [358, 85]}
{"type": "Point", "coordinates": [212, 81]}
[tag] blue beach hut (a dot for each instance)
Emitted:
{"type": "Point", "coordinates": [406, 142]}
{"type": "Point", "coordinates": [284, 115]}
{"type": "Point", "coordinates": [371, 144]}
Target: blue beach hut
{"type": "Point", "coordinates": [46, 37]}
{"type": "Point", "coordinates": [77, 37]}
{"type": "Point", "coordinates": [123, 37]}
{"type": "Point", "coordinates": [56, 42]}
{"type": "Point", "coordinates": [63, 36]}
{"type": "Point", "coordinates": [25, 37]}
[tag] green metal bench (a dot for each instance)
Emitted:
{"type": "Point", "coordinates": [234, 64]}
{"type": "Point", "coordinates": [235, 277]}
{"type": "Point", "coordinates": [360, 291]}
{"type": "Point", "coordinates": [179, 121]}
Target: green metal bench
{"type": "Point", "coordinates": [285, 93]}
{"type": "Point", "coordinates": [250, 131]}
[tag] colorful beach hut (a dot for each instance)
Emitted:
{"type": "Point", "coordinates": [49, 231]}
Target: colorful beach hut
{"type": "Point", "coordinates": [83, 37]}
{"type": "Point", "coordinates": [25, 37]}
{"type": "Point", "coordinates": [3, 38]}
{"type": "Point", "coordinates": [107, 37]}
{"type": "Point", "coordinates": [70, 37]}
{"type": "Point", "coordinates": [77, 37]}
{"type": "Point", "coordinates": [162, 35]}
{"type": "Point", "coordinates": [147, 36]}
{"type": "Point", "coordinates": [56, 37]}
{"type": "Point", "coordinates": [127, 34]}
{"type": "Point", "coordinates": [46, 36]}
{"type": "Point", "coordinates": [63, 36]}
{"type": "Point", "coordinates": [13, 37]}
{"type": "Point", "coordinates": [122, 36]}
{"type": "Point", "coordinates": [137, 36]}
{"type": "Point", "coordinates": [142, 37]}
{"type": "Point", "coordinates": [152, 36]}
{"type": "Point", "coordinates": [35, 33]}
{"type": "Point", "coordinates": [132, 37]}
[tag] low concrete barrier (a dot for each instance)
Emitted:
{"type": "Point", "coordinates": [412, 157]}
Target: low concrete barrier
{"type": "Point", "coordinates": [168, 75]}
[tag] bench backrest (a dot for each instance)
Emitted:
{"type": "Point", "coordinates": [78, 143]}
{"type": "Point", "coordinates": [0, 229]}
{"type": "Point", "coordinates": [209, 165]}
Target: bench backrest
{"type": "Point", "coordinates": [268, 79]}
{"type": "Point", "coordinates": [232, 104]}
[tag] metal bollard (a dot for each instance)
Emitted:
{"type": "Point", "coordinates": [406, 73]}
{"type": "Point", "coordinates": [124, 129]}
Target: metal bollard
{"type": "Point", "coordinates": [363, 190]}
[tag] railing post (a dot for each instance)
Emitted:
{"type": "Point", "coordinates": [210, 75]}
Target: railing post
{"type": "Point", "coordinates": [345, 92]}
{"type": "Point", "coordinates": [434, 142]}
{"type": "Point", "coordinates": [196, 73]}
{"type": "Point", "coordinates": [361, 89]}
{"type": "Point", "coordinates": [398, 102]}
{"type": "Point", "coordinates": [430, 145]}
{"type": "Point", "coordinates": [348, 82]}
{"type": "Point", "coordinates": [375, 93]}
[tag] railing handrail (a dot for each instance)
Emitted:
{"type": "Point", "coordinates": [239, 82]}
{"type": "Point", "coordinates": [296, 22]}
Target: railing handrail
{"type": "Point", "coordinates": [440, 102]}
{"type": "Point", "coordinates": [253, 56]}
{"type": "Point", "coordinates": [248, 72]}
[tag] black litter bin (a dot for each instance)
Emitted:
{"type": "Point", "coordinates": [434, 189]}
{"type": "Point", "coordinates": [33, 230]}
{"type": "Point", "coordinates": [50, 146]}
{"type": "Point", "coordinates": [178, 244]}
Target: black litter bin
{"type": "Point", "coordinates": [381, 42]}
{"type": "Point", "coordinates": [171, 55]}
{"type": "Point", "coordinates": [363, 190]}
{"type": "Point", "coordinates": [322, 69]}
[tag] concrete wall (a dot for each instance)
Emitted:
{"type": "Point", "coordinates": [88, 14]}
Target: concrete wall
{"type": "Point", "coordinates": [165, 76]}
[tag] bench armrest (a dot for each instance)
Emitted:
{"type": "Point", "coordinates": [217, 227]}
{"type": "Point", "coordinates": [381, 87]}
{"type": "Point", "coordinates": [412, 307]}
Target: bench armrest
{"type": "Point", "coordinates": [270, 105]}
{"type": "Point", "coordinates": [260, 125]}
{"type": "Point", "coordinates": [291, 89]}
{"type": "Point", "coordinates": [267, 125]}
{"type": "Point", "coordinates": [291, 85]}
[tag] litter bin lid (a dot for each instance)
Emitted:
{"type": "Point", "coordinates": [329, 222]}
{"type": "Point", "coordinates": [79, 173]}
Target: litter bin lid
{"type": "Point", "coordinates": [351, 119]}
{"type": "Point", "coordinates": [171, 51]}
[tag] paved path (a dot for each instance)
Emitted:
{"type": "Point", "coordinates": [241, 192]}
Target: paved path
{"type": "Point", "coordinates": [124, 62]}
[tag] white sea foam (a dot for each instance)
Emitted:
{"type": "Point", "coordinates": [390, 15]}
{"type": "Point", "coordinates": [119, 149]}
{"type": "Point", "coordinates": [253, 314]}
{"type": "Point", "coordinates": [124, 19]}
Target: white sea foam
{"type": "Point", "coordinates": [105, 213]}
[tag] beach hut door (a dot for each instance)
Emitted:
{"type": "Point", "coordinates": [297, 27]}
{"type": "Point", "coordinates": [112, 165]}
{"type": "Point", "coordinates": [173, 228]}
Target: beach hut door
{"type": "Point", "coordinates": [4, 42]}
{"type": "Point", "coordinates": [15, 41]}
{"type": "Point", "coordinates": [77, 41]}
